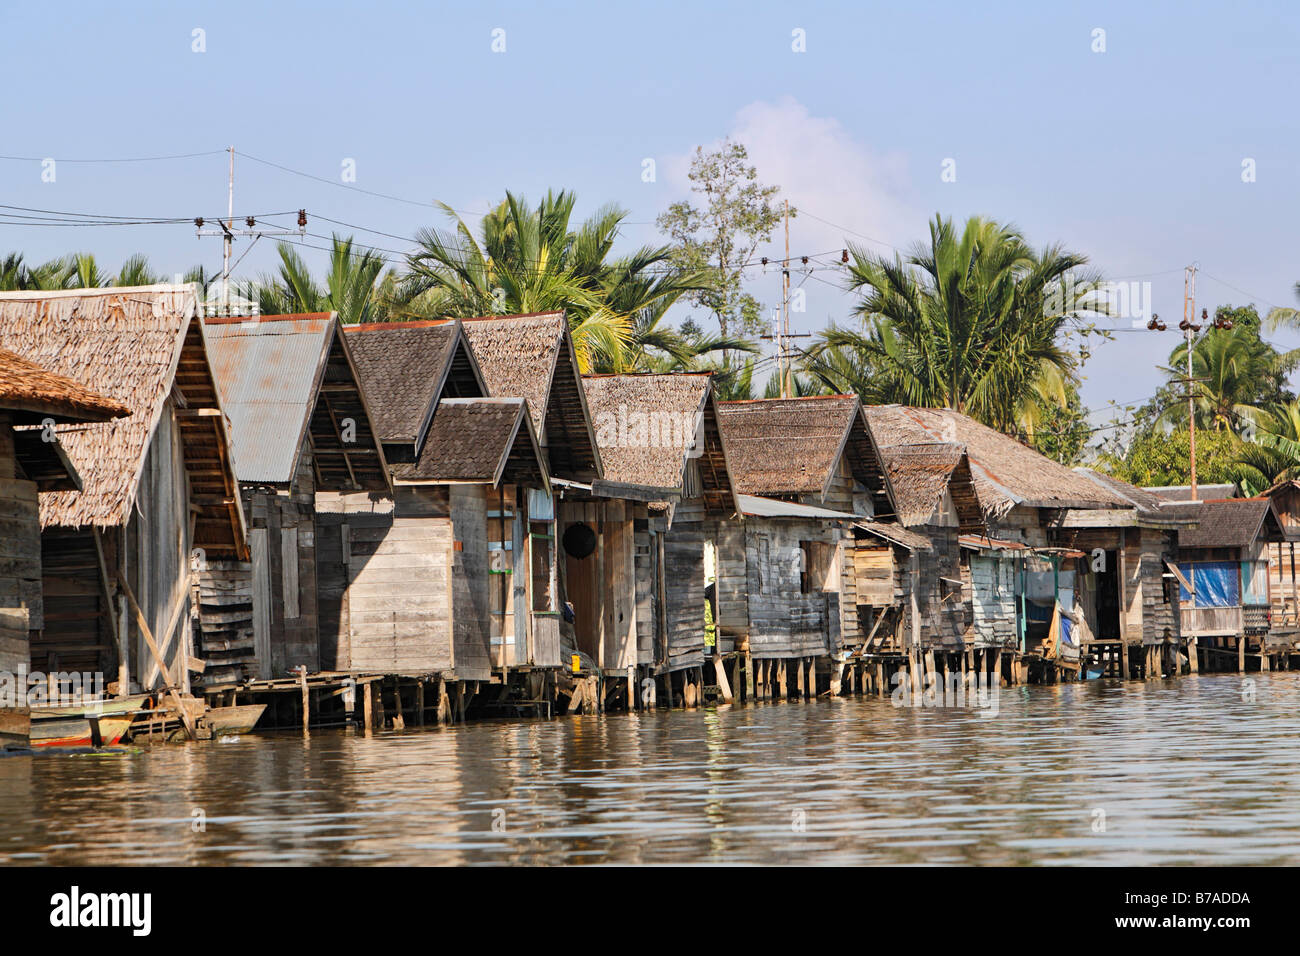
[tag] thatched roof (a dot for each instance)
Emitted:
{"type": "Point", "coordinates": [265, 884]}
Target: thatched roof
{"type": "Point", "coordinates": [1227, 522]}
{"type": "Point", "coordinates": [794, 446]}
{"type": "Point", "coordinates": [532, 357]}
{"type": "Point", "coordinates": [919, 476]}
{"type": "Point", "coordinates": [406, 367]}
{"type": "Point", "coordinates": [138, 346]}
{"type": "Point", "coordinates": [648, 428]}
{"type": "Point", "coordinates": [287, 380]}
{"type": "Point", "coordinates": [481, 441]}
{"type": "Point", "coordinates": [32, 393]}
{"type": "Point", "coordinates": [1007, 473]}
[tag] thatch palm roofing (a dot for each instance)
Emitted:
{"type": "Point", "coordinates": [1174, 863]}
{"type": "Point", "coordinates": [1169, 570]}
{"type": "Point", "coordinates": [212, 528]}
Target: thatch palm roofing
{"type": "Point", "coordinates": [290, 379]}
{"type": "Point", "coordinates": [139, 346]}
{"type": "Point", "coordinates": [32, 393]}
{"type": "Point", "coordinates": [406, 367]}
{"type": "Point", "coordinates": [919, 476]}
{"type": "Point", "coordinates": [1006, 472]}
{"type": "Point", "coordinates": [532, 357]}
{"type": "Point", "coordinates": [793, 446]}
{"type": "Point", "coordinates": [650, 426]}
{"type": "Point", "coordinates": [480, 441]}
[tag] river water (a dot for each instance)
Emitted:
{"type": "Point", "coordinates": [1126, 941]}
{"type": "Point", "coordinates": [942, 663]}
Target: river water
{"type": "Point", "coordinates": [1195, 771]}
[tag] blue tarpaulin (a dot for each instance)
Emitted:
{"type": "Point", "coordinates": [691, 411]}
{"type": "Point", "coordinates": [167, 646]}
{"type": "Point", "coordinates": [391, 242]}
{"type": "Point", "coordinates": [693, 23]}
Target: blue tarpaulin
{"type": "Point", "coordinates": [1217, 583]}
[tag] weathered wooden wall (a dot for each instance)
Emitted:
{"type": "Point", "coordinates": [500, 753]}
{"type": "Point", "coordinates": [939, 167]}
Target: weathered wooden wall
{"type": "Point", "coordinates": [785, 620]}
{"type": "Point", "coordinates": [159, 560]}
{"type": "Point", "coordinates": [20, 551]}
{"type": "Point", "coordinates": [385, 583]}
{"type": "Point", "coordinates": [993, 585]}
{"type": "Point", "coordinates": [471, 604]}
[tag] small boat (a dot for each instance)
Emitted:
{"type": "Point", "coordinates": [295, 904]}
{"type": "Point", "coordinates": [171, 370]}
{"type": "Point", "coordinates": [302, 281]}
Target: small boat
{"type": "Point", "coordinates": [98, 723]}
{"type": "Point", "coordinates": [234, 720]}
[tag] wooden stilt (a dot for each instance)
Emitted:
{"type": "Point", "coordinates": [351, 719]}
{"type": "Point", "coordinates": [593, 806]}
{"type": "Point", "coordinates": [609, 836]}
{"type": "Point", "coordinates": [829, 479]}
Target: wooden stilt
{"type": "Point", "coordinates": [306, 699]}
{"type": "Point", "coordinates": [367, 709]}
{"type": "Point", "coordinates": [1241, 654]}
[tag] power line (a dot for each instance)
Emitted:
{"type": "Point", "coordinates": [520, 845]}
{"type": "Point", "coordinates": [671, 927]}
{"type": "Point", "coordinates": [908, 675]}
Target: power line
{"type": "Point", "coordinates": [128, 159]}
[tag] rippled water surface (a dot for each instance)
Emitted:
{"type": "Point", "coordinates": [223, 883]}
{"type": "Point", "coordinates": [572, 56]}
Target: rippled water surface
{"type": "Point", "coordinates": [1190, 771]}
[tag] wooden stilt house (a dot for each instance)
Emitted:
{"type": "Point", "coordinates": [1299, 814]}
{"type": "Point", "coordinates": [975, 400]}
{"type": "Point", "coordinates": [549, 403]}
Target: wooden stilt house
{"type": "Point", "coordinates": [1283, 579]}
{"type": "Point", "coordinates": [659, 439]}
{"type": "Point", "coordinates": [464, 551]}
{"type": "Point", "coordinates": [299, 426]}
{"type": "Point", "coordinates": [806, 470]}
{"type": "Point", "coordinates": [533, 357]}
{"type": "Point", "coordinates": [31, 461]}
{"type": "Point", "coordinates": [1224, 589]}
{"type": "Point", "coordinates": [158, 487]}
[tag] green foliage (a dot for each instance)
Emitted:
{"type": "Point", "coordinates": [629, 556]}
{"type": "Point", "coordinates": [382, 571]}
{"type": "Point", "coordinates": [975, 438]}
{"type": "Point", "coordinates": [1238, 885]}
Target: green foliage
{"type": "Point", "coordinates": [1063, 431]}
{"type": "Point", "coordinates": [721, 236]}
{"type": "Point", "coordinates": [350, 287]}
{"type": "Point", "coordinates": [528, 259]}
{"type": "Point", "coordinates": [976, 321]}
{"type": "Point", "coordinates": [1157, 458]}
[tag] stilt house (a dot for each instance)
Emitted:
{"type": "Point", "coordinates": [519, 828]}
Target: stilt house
{"type": "Point", "coordinates": [31, 461]}
{"type": "Point", "coordinates": [159, 492]}
{"type": "Point", "coordinates": [300, 426]}
{"type": "Point", "coordinates": [464, 551]}
{"type": "Point", "coordinates": [805, 469]}
{"type": "Point", "coordinates": [659, 439]}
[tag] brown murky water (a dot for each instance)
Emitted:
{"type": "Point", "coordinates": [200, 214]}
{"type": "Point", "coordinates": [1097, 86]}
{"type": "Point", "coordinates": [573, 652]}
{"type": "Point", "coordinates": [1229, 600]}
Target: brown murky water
{"type": "Point", "coordinates": [1185, 772]}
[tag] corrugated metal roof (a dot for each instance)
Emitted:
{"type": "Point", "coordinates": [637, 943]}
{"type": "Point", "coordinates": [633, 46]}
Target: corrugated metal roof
{"type": "Point", "coordinates": [760, 507]}
{"type": "Point", "coordinates": [267, 371]}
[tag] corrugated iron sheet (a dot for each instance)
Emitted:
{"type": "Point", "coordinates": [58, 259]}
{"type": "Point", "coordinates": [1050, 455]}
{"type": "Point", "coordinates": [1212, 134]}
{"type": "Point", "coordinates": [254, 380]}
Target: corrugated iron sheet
{"type": "Point", "coordinates": [266, 371]}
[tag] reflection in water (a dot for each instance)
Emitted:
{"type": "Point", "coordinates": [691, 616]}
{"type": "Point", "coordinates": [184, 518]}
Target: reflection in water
{"type": "Point", "coordinates": [1103, 773]}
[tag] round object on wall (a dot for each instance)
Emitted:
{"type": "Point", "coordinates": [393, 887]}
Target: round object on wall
{"type": "Point", "coordinates": [579, 540]}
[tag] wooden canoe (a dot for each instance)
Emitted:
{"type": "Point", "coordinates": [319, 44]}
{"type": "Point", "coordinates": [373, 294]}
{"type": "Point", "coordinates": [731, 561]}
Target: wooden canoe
{"type": "Point", "coordinates": [91, 724]}
{"type": "Point", "coordinates": [234, 720]}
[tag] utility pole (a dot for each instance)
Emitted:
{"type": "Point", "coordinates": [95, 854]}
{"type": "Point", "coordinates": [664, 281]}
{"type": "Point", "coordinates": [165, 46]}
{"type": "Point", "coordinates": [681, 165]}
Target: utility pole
{"type": "Point", "coordinates": [785, 303]}
{"type": "Point", "coordinates": [784, 356]}
{"type": "Point", "coordinates": [1189, 310]}
{"type": "Point", "coordinates": [227, 232]}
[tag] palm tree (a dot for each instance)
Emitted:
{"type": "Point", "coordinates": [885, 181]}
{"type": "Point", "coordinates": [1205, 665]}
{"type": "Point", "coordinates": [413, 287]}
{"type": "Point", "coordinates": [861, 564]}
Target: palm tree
{"type": "Point", "coordinates": [528, 259]}
{"type": "Point", "coordinates": [1270, 451]}
{"type": "Point", "coordinates": [351, 286]}
{"type": "Point", "coordinates": [974, 321]}
{"type": "Point", "coordinates": [1229, 367]}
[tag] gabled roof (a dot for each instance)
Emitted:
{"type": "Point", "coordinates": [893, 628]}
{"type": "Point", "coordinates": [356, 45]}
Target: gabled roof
{"type": "Point", "coordinates": [32, 393]}
{"type": "Point", "coordinates": [1184, 492]}
{"type": "Point", "coordinates": [139, 346]}
{"type": "Point", "coordinates": [1006, 472]}
{"type": "Point", "coordinates": [1227, 522]}
{"type": "Point", "coordinates": [478, 441]}
{"type": "Point", "coordinates": [920, 474]}
{"type": "Point", "coordinates": [532, 357]}
{"type": "Point", "coordinates": [793, 446]}
{"type": "Point", "coordinates": [290, 379]}
{"type": "Point", "coordinates": [650, 426]}
{"type": "Point", "coordinates": [1151, 510]}
{"type": "Point", "coordinates": [406, 367]}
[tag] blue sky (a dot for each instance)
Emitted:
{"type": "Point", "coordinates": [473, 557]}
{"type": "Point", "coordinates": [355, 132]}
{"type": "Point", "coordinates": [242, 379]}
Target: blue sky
{"type": "Point", "coordinates": [1132, 156]}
